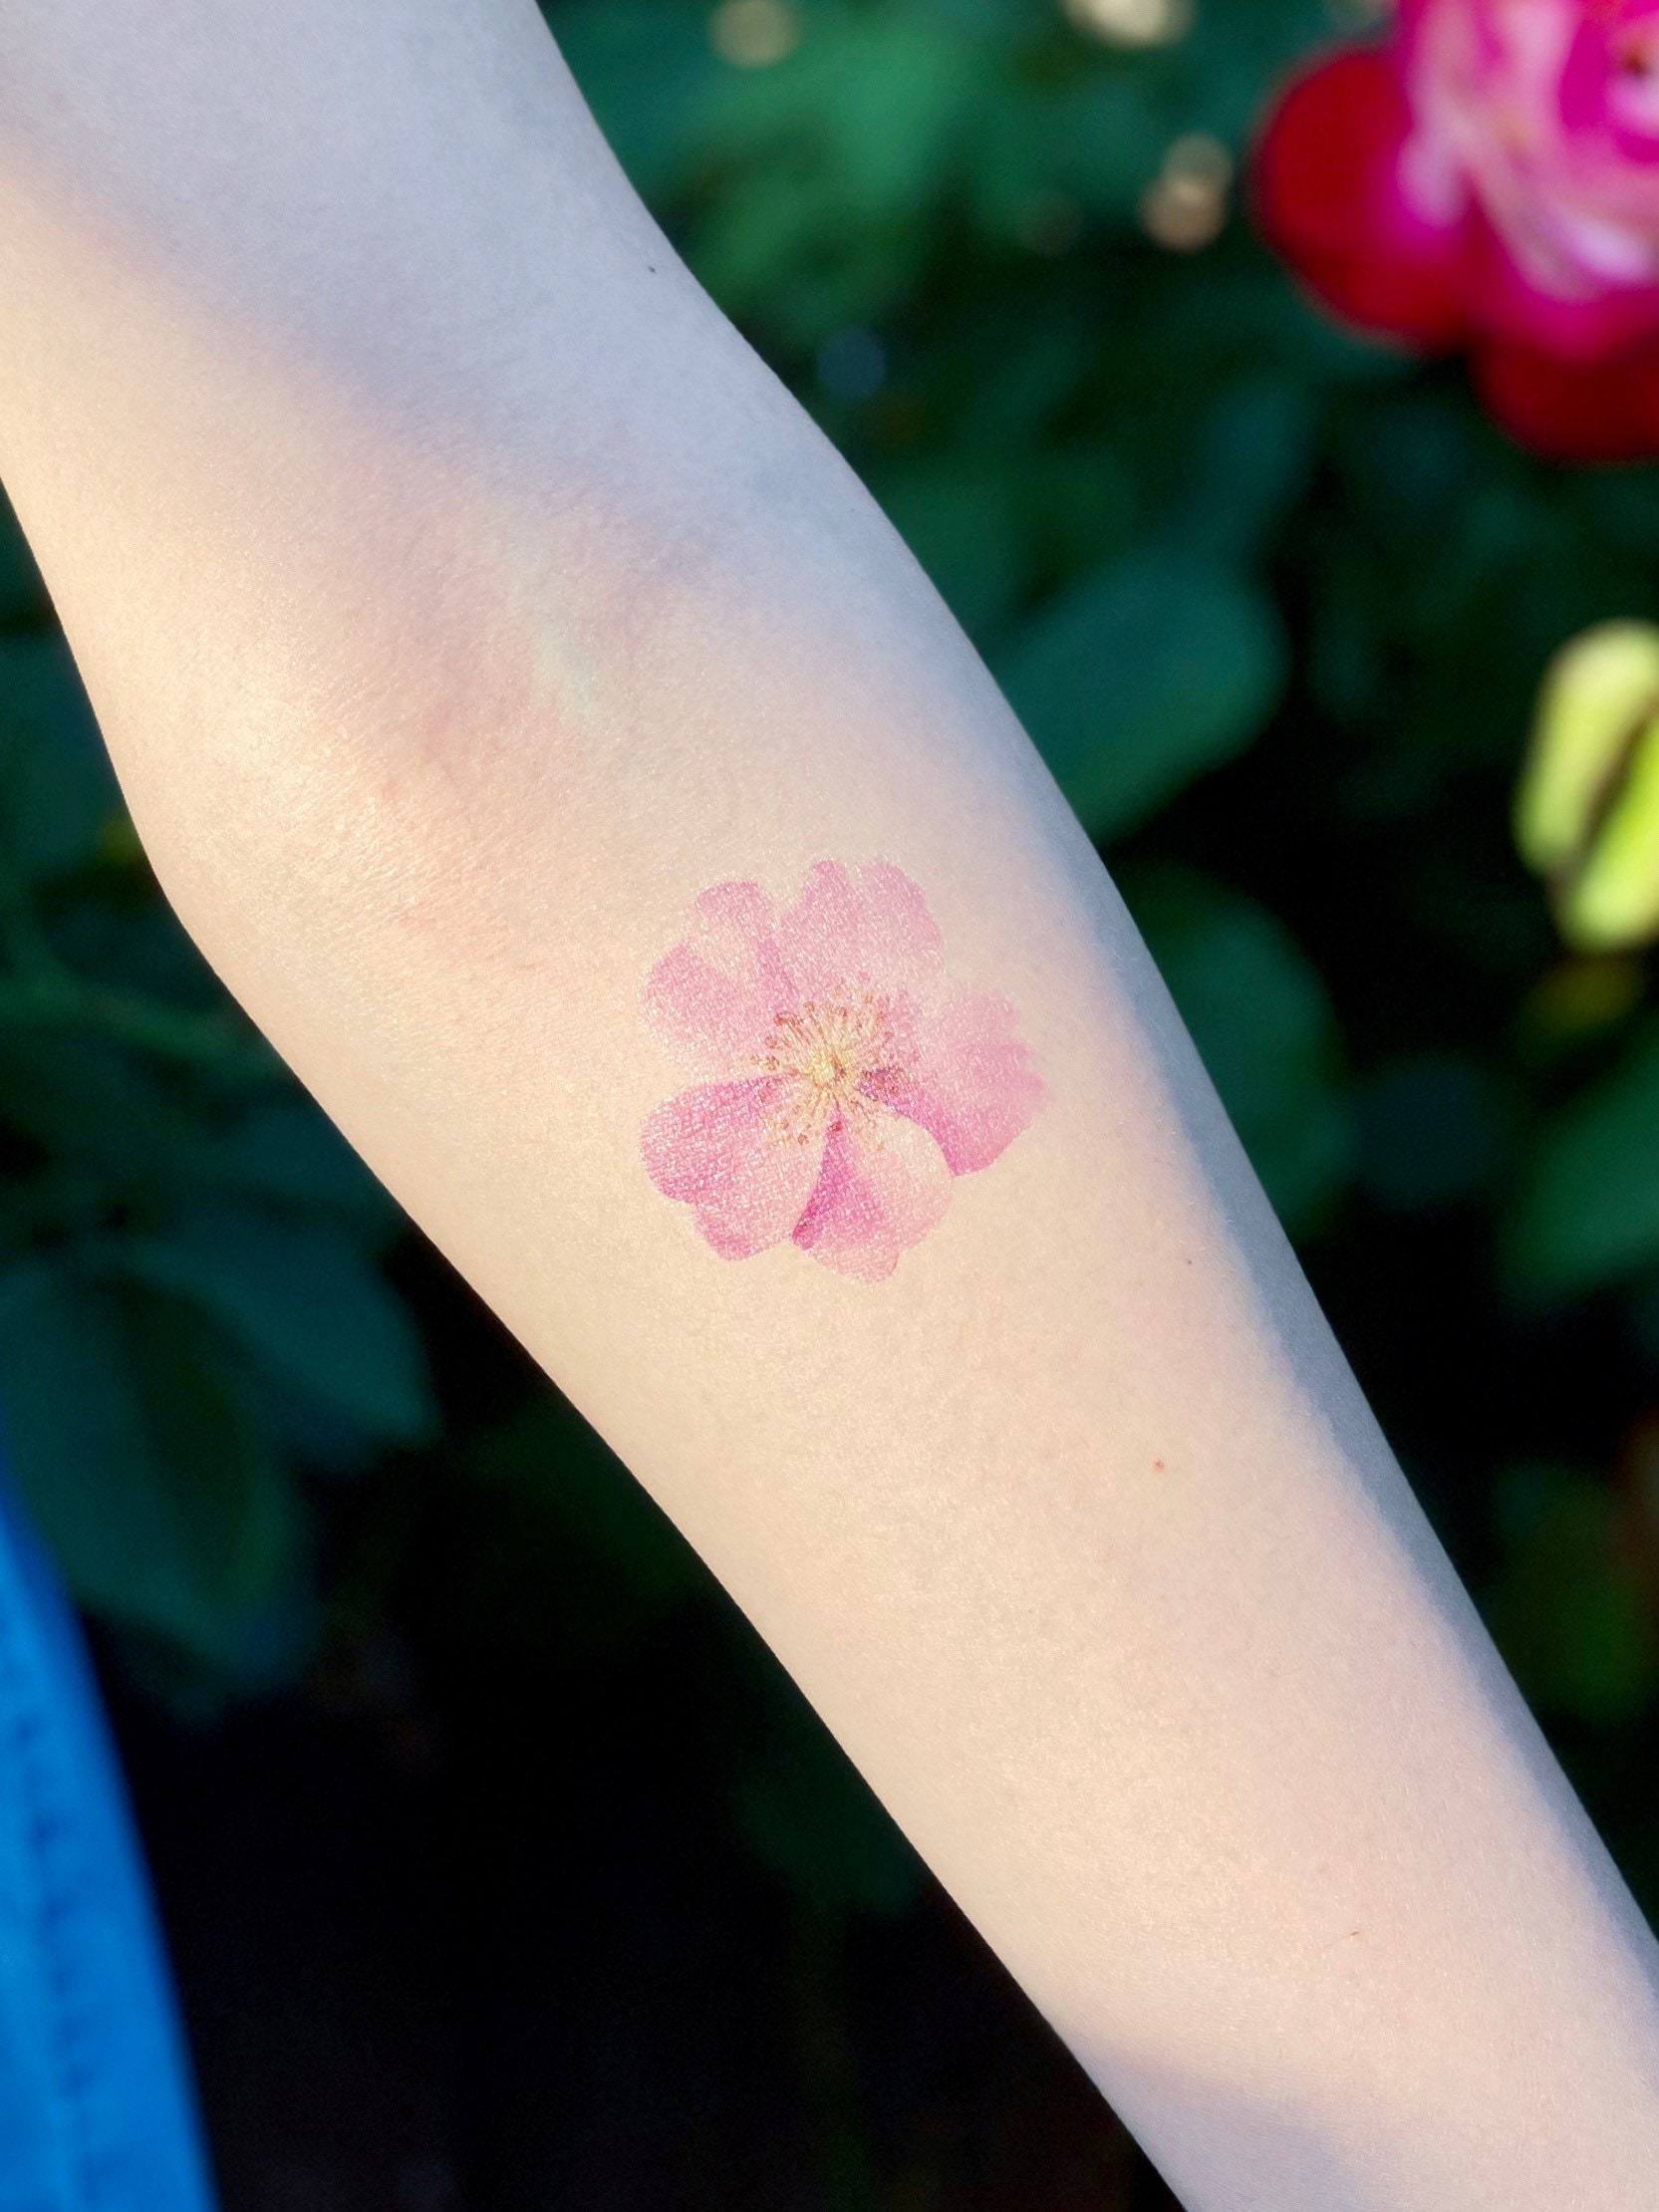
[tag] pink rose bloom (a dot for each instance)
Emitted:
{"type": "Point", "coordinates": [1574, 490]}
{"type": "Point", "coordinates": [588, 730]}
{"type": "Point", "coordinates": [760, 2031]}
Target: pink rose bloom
{"type": "Point", "coordinates": [1488, 178]}
{"type": "Point", "coordinates": [844, 1081]}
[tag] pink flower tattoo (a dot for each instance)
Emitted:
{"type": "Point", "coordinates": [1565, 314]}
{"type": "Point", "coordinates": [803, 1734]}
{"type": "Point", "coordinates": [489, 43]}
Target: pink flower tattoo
{"type": "Point", "coordinates": [844, 1081]}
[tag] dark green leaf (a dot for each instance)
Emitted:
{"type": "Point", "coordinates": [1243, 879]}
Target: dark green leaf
{"type": "Point", "coordinates": [647, 70]}
{"type": "Point", "coordinates": [1264, 1027]}
{"type": "Point", "coordinates": [288, 1151]}
{"type": "Point", "coordinates": [873, 94]}
{"type": "Point", "coordinates": [141, 1456]}
{"type": "Point", "coordinates": [1433, 1130]}
{"type": "Point", "coordinates": [56, 787]}
{"type": "Point", "coordinates": [1141, 677]}
{"type": "Point", "coordinates": [1567, 1611]}
{"type": "Point", "coordinates": [1252, 458]}
{"type": "Point", "coordinates": [22, 594]}
{"type": "Point", "coordinates": [810, 1817]}
{"type": "Point", "coordinates": [306, 1301]}
{"type": "Point", "coordinates": [1589, 1213]}
{"type": "Point", "coordinates": [1108, 132]}
{"type": "Point", "coordinates": [96, 1107]}
{"type": "Point", "coordinates": [959, 522]}
{"type": "Point", "coordinates": [629, 1559]}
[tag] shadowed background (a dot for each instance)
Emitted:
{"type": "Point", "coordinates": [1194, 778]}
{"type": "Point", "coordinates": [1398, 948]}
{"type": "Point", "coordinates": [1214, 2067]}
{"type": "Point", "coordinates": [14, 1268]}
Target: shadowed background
{"type": "Point", "coordinates": [501, 1867]}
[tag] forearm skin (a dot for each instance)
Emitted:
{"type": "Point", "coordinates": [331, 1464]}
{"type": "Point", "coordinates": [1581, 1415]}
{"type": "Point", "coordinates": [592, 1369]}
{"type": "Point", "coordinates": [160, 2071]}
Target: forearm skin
{"type": "Point", "coordinates": [452, 632]}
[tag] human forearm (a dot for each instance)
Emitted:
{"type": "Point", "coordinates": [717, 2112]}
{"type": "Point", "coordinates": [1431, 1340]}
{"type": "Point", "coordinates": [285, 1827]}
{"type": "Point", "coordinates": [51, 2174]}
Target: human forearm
{"type": "Point", "coordinates": [460, 600]}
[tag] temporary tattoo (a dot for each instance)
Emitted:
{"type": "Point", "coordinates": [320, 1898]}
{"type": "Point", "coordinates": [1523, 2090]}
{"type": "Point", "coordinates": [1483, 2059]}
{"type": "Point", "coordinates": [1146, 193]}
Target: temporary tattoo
{"type": "Point", "coordinates": [844, 1080]}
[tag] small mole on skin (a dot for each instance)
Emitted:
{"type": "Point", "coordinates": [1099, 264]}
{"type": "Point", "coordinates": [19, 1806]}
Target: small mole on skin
{"type": "Point", "coordinates": [1158, 1467]}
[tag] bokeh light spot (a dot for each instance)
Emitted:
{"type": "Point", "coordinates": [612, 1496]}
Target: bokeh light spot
{"type": "Point", "coordinates": [1186, 204]}
{"type": "Point", "coordinates": [1131, 22]}
{"type": "Point", "coordinates": [752, 34]}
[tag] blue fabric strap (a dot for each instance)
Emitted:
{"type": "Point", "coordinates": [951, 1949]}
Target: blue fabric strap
{"type": "Point", "coordinates": [94, 2111]}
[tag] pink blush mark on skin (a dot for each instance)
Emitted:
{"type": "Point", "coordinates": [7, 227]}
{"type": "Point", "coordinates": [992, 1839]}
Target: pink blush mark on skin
{"type": "Point", "coordinates": [846, 1080]}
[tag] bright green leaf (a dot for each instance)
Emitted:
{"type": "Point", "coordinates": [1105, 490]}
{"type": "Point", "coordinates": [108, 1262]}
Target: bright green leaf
{"type": "Point", "coordinates": [1597, 693]}
{"type": "Point", "coordinates": [1612, 903]}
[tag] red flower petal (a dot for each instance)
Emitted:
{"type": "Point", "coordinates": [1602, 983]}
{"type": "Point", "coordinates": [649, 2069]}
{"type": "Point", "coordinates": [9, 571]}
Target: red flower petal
{"type": "Point", "coordinates": [1505, 303]}
{"type": "Point", "coordinates": [1574, 411]}
{"type": "Point", "coordinates": [1329, 197]}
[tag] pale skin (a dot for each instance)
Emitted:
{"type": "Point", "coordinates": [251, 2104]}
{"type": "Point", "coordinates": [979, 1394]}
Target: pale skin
{"type": "Point", "coordinates": [459, 597]}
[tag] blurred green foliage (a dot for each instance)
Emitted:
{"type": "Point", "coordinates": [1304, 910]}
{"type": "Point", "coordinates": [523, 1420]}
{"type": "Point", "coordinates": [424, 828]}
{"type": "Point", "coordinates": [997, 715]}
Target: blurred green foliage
{"type": "Point", "coordinates": [1275, 603]}
{"type": "Point", "coordinates": [1574, 1611]}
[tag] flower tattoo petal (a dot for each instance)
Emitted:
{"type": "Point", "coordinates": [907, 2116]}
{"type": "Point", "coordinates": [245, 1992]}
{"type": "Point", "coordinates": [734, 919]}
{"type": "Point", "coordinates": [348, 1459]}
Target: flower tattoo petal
{"type": "Point", "coordinates": [843, 1081]}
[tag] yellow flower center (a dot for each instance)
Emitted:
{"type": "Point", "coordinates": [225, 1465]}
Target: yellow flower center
{"type": "Point", "coordinates": [837, 1047]}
